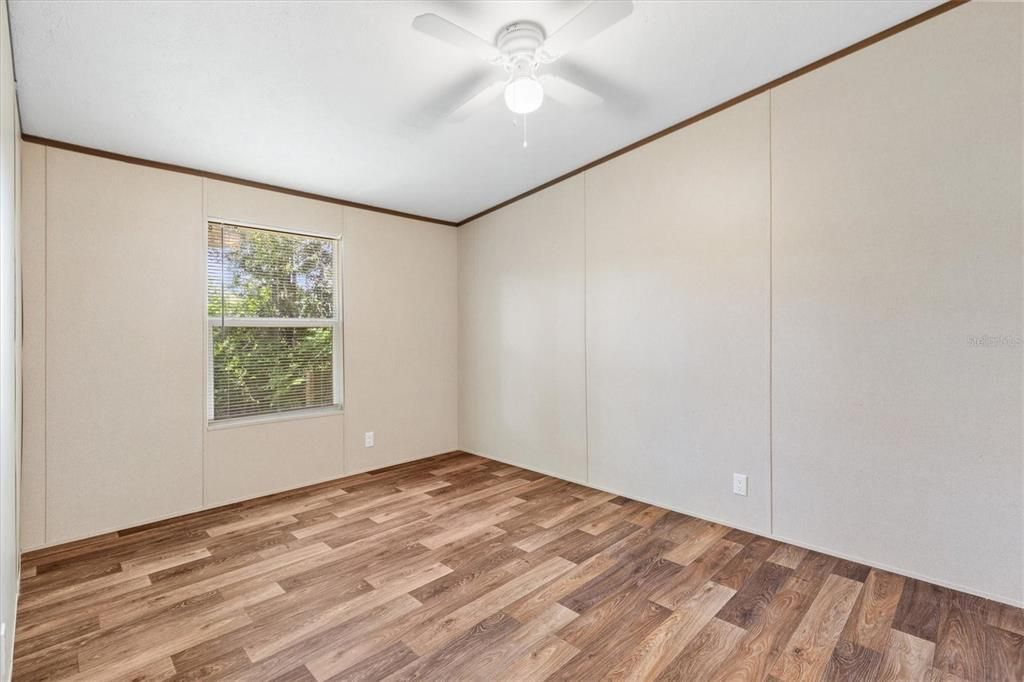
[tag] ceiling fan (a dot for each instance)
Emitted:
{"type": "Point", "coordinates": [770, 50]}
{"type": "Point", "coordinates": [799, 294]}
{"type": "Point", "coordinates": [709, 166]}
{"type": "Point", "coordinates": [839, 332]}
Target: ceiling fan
{"type": "Point", "coordinates": [523, 46]}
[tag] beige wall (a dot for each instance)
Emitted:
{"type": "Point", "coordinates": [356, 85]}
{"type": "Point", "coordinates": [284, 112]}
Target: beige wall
{"type": "Point", "coordinates": [231, 201]}
{"type": "Point", "coordinates": [893, 183]}
{"type": "Point", "coordinates": [897, 177]}
{"type": "Point", "coordinates": [10, 361]}
{"type": "Point", "coordinates": [401, 347]}
{"type": "Point", "coordinates": [116, 260]}
{"type": "Point", "coordinates": [255, 459]}
{"type": "Point", "coordinates": [677, 318]}
{"type": "Point", "coordinates": [521, 360]}
{"type": "Point", "coordinates": [33, 427]}
{"type": "Point", "coordinates": [124, 387]}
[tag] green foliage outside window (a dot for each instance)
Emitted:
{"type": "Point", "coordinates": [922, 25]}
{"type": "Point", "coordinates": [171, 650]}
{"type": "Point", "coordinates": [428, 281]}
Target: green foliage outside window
{"type": "Point", "coordinates": [263, 274]}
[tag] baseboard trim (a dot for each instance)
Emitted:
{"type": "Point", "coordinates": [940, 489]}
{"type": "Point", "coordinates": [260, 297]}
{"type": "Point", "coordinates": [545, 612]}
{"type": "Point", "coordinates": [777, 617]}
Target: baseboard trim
{"type": "Point", "coordinates": [27, 552]}
{"type": "Point", "coordinates": [773, 536]}
{"type": "Point", "coordinates": [581, 481]}
{"type": "Point", "coordinates": [356, 472]}
{"type": "Point", "coordinates": [8, 665]}
{"type": "Point", "coordinates": [900, 571]}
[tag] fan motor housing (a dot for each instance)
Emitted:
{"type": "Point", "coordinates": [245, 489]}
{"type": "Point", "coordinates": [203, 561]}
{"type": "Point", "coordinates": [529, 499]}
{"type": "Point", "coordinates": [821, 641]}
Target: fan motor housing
{"type": "Point", "coordinates": [520, 40]}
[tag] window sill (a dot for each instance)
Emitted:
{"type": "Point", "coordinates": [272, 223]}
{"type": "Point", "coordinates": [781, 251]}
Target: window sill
{"type": "Point", "coordinates": [238, 422]}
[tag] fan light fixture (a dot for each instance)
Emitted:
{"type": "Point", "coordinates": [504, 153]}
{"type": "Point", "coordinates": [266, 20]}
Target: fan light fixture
{"type": "Point", "coordinates": [520, 49]}
{"type": "Point", "coordinates": [524, 95]}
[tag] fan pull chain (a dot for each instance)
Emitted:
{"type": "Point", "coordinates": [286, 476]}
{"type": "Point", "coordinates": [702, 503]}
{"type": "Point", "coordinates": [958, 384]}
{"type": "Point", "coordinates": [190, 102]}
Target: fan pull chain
{"type": "Point", "coordinates": [515, 124]}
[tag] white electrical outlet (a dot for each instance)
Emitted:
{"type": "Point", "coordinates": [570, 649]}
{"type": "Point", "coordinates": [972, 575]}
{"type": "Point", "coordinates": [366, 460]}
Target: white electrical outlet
{"type": "Point", "coordinates": [368, 439]}
{"type": "Point", "coordinates": [739, 484]}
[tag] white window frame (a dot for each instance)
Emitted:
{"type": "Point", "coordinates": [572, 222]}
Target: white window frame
{"type": "Point", "coordinates": [336, 322]}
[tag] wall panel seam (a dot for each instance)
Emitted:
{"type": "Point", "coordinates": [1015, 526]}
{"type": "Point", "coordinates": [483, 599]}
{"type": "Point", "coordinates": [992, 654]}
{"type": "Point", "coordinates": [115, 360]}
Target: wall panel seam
{"type": "Point", "coordinates": [204, 211]}
{"type": "Point", "coordinates": [771, 317]}
{"type": "Point", "coordinates": [343, 309]}
{"type": "Point", "coordinates": [586, 338]}
{"type": "Point", "coordinates": [46, 321]}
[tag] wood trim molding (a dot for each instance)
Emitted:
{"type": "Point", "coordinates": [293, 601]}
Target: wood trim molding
{"type": "Point", "coordinates": [57, 144]}
{"type": "Point", "coordinates": [870, 40]}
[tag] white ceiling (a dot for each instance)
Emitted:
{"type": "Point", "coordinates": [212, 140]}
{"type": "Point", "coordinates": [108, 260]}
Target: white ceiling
{"type": "Point", "coordinates": [343, 98]}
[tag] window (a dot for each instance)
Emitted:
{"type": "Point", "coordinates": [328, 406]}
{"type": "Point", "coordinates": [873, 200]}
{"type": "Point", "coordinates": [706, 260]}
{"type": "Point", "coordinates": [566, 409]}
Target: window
{"type": "Point", "coordinates": [274, 322]}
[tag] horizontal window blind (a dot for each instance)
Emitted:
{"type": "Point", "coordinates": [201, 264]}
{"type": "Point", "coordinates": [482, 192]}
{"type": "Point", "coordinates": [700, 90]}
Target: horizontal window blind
{"type": "Point", "coordinates": [274, 322]}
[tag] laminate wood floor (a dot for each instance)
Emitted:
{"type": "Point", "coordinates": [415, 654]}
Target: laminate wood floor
{"type": "Point", "coordinates": [461, 568]}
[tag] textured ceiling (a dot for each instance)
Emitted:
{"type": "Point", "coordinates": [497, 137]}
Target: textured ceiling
{"type": "Point", "coordinates": [345, 99]}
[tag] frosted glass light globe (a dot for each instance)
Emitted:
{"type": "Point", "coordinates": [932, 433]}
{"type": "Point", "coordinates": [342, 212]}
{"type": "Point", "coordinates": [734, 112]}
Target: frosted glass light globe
{"type": "Point", "coordinates": [524, 95]}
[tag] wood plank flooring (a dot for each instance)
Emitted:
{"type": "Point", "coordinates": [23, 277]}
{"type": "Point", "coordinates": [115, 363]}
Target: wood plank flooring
{"type": "Point", "coordinates": [460, 568]}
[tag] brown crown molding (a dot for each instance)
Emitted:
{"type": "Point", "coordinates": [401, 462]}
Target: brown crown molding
{"type": "Point", "coordinates": [57, 144]}
{"type": "Point", "coordinates": [870, 40]}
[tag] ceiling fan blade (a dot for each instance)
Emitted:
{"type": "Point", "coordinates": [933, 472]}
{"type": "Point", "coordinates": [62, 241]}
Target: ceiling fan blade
{"type": "Point", "coordinates": [617, 96]}
{"type": "Point", "coordinates": [453, 34]}
{"type": "Point", "coordinates": [592, 19]}
{"type": "Point", "coordinates": [478, 101]}
{"type": "Point", "coordinates": [569, 93]}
